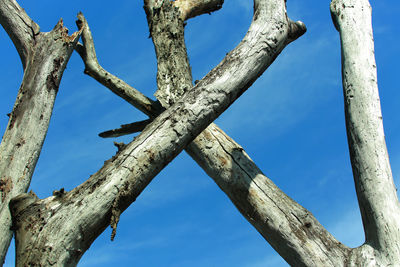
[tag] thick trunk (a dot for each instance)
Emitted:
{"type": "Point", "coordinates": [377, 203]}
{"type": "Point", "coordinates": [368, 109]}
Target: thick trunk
{"type": "Point", "coordinates": [63, 226]}
{"type": "Point", "coordinates": [376, 192]}
{"type": "Point", "coordinates": [44, 56]}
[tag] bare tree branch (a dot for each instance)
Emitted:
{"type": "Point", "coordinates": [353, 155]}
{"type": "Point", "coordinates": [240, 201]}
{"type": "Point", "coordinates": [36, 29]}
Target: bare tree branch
{"type": "Point", "coordinates": [19, 26]}
{"type": "Point", "coordinates": [116, 85]}
{"type": "Point", "coordinates": [170, 87]}
{"type": "Point", "coordinates": [82, 214]}
{"type": "Point", "coordinates": [193, 8]}
{"type": "Point", "coordinates": [237, 175]}
{"type": "Point", "coordinates": [248, 188]}
{"type": "Point", "coordinates": [44, 56]}
{"type": "Point", "coordinates": [375, 188]}
{"type": "Point", "coordinates": [126, 129]}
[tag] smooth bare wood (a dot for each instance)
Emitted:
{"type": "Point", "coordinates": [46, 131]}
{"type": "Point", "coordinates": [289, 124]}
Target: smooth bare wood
{"type": "Point", "coordinates": [375, 188]}
{"type": "Point", "coordinates": [65, 225]}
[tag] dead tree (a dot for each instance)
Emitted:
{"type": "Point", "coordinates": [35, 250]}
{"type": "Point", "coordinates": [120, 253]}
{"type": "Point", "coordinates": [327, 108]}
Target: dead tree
{"type": "Point", "coordinates": [57, 230]}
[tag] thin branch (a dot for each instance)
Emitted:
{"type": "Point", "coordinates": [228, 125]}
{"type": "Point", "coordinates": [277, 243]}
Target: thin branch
{"type": "Point", "coordinates": [19, 26]}
{"type": "Point", "coordinates": [119, 87]}
{"type": "Point", "coordinates": [126, 129]}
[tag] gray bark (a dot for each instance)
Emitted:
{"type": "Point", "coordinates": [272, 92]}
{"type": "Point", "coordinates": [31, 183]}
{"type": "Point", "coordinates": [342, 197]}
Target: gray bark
{"type": "Point", "coordinates": [44, 57]}
{"type": "Point", "coordinates": [63, 226]}
{"type": "Point", "coordinates": [375, 189]}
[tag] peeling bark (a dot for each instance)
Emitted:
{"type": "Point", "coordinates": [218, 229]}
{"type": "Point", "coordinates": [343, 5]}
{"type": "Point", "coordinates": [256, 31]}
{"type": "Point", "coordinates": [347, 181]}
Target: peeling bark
{"type": "Point", "coordinates": [44, 56]}
{"type": "Point", "coordinates": [167, 31]}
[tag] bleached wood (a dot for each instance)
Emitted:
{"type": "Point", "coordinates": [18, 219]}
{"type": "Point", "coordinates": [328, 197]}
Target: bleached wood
{"type": "Point", "coordinates": [119, 87]}
{"type": "Point", "coordinates": [193, 8]}
{"type": "Point", "coordinates": [45, 56]}
{"type": "Point", "coordinates": [257, 198]}
{"type": "Point", "coordinates": [376, 192]}
{"type": "Point", "coordinates": [292, 230]}
{"type": "Point", "coordinates": [64, 226]}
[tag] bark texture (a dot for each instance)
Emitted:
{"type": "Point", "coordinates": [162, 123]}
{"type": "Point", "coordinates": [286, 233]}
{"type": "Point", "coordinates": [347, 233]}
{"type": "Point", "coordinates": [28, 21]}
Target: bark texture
{"type": "Point", "coordinates": [283, 223]}
{"type": "Point", "coordinates": [59, 229]}
{"type": "Point", "coordinates": [44, 56]}
{"type": "Point", "coordinates": [65, 225]}
{"type": "Point", "coordinates": [19, 26]}
{"type": "Point", "coordinates": [174, 77]}
{"type": "Point", "coordinates": [375, 188]}
{"type": "Point", "coordinates": [257, 198]}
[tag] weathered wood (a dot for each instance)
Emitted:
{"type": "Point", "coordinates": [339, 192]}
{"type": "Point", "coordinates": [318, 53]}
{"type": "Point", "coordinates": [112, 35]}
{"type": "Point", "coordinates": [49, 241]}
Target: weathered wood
{"type": "Point", "coordinates": [256, 197]}
{"type": "Point", "coordinates": [192, 8]}
{"type": "Point", "coordinates": [292, 230]}
{"type": "Point", "coordinates": [116, 85]}
{"type": "Point", "coordinates": [169, 36]}
{"type": "Point", "coordinates": [64, 226]}
{"type": "Point", "coordinates": [44, 56]}
{"type": "Point", "coordinates": [19, 26]}
{"type": "Point", "coordinates": [376, 192]}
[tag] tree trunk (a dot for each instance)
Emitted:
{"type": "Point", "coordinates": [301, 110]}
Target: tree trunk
{"type": "Point", "coordinates": [44, 57]}
{"type": "Point", "coordinates": [375, 188]}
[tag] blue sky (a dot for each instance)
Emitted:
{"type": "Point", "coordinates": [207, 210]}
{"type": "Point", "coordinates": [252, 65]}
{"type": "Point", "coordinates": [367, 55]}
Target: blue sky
{"type": "Point", "coordinates": [291, 122]}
